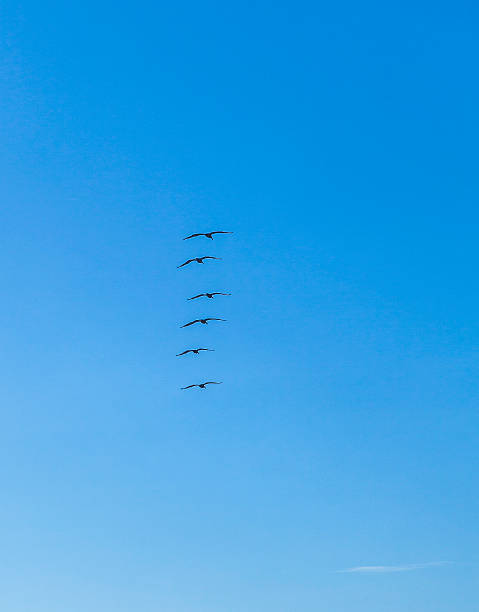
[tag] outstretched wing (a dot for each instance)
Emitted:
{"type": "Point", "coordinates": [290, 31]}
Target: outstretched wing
{"type": "Point", "coordinates": [186, 262]}
{"type": "Point", "coordinates": [190, 323]}
{"type": "Point", "coordinates": [192, 236]}
{"type": "Point", "coordinates": [215, 319]}
{"type": "Point", "coordinates": [197, 296]}
{"type": "Point", "coordinates": [188, 387]}
{"type": "Point", "coordinates": [221, 232]}
{"type": "Point", "coordinates": [210, 257]}
{"type": "Point", "coordinates": [212, 382]}
{"type": "Point", "coordinates": [183, 353]}
{"type": "Point", "coordinates": [203, 349]}
{"type": "Point", "coordinates": [219, 293]}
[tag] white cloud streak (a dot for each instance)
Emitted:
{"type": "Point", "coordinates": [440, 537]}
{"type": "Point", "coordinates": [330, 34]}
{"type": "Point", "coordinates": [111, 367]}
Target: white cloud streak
{"type": "Point", "coordinates": [385, 569]}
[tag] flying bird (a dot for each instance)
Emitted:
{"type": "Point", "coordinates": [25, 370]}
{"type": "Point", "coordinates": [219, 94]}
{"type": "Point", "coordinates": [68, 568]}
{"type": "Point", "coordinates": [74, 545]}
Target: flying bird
{"type": "Point", "coordinates": [199, 260]}
{"type": "Point", "coordinates": [202, 385]}
{"type": "Point", "coordinates": [204, 321]}
{"type": "Point", "coordinates": [208, 295]}
{"type": "Point", "coordinates": [207, 235]}
{"type": "Point", "coordinates": [195, 351]}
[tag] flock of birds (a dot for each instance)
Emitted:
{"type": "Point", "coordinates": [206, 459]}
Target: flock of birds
{"type": "Point", "coordinates": [205, 321]}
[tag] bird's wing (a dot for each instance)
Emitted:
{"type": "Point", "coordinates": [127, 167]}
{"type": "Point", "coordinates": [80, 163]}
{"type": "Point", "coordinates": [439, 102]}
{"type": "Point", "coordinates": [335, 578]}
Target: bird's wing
{"type": "Point", "coordinates": [188, 387]}
{"type": "Point", "coordinates": [220, 293]}
{"type": "Point", "coordinates": [210, 257]}
{"type": "Point", "coordinates": [212, 382]}
{"type": "Point", "coordinates": [192, 236]}
{"type": "Point", "coordinates": [186, 262]}
{"type": "Point", "coordinates": [221, 232]}
{"type": "Point", "coordinates": [190, 323]}
{"type": "Point", "coordinates": [183, 353]}
{"type": "Point", "coordinates": [203, 349]}
{"type": "Point", "coordinates": [215, 319]}
{"type": "Point", "coordinates": [197, 296]}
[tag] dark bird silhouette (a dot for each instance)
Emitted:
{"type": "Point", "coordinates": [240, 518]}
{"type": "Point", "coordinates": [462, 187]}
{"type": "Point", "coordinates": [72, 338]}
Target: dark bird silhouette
{"type": "Point", "coordinates": [207, 235]}
{"type": "Point", "coordinates": [204, 321]}
{"type": "Point", "coordinates": [195, 351]}
{"type": "Point", "coordinates": [202, 385]}
{"type": "Point", "coordinates": [199, 260]}
{"type": "Point", "coordinates": [208, 295]}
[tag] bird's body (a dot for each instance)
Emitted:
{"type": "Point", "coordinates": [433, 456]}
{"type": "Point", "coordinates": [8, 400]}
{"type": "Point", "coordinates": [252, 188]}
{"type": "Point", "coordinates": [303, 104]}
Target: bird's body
{"type": "Point", "coordinates": [201, 385]}
{"type": "Point", "coordinates": [195, 351]}
{"type": "Point", "coordinates": [208, 295]}
{"type": "Point", "coordinates": [207, 235]}
{"type": "Point", "coordinates": [199, 260]}
{"type": "Point", "coordinates": [203, 321]}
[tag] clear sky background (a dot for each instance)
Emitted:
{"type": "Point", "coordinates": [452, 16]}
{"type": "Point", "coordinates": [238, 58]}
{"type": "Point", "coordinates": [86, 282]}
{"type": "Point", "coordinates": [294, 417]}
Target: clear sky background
{"type": "Point", "coordinates": [339, 142]}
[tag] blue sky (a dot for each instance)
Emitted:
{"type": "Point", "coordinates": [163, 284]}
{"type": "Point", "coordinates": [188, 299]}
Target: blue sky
{"type": "Point", "coordinates": [339, 143]}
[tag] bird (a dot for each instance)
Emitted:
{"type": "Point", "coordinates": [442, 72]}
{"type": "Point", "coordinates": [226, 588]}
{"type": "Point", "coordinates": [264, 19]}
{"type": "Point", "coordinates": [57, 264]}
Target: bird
{"type": "Point", "coordinates": [202, 385]}
{"type": "Point", "coordinates": [207, 235]}
{"type": "Point", "coordinates": [195, 351]}
{"type": "Point", "coordinates": [204, 321]}
{"type": "Point", "coordinates": [208, 295]}
{"type": "Point", "coordinates": [198, 260]}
